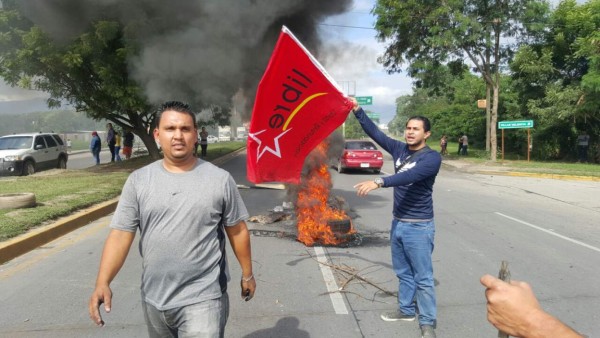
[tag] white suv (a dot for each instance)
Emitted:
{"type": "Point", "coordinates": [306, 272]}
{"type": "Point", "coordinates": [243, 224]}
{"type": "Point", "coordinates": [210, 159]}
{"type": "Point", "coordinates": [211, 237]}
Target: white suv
{"type": "Point", "coordinates": [24, 154]}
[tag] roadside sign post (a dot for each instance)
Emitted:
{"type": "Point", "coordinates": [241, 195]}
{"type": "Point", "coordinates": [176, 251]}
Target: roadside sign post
{"type": "Point", "coordinates": [527, 124]}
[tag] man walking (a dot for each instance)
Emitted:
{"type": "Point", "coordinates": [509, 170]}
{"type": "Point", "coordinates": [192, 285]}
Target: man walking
{"type": "Point", "coordinates": [413, 229]}
{"type": "Point", "coordinates": [183, 207]}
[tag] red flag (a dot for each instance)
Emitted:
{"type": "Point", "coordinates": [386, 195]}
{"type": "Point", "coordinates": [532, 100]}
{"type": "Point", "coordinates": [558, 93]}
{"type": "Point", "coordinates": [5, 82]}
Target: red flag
{"type": "Point", "coordinates": [297, 106]}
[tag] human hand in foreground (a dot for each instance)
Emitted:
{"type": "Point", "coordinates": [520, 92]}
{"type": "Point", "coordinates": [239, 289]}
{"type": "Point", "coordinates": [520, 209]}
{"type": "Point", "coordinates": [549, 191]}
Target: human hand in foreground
{"type": "Point", "coordinates": [513, 309]}
{"type": "Point", "coordinates": [102, 294]}
{"type": "Point", "coordinates": [248, 288]}
{"type": "Point", "coordinates": [355, 102]}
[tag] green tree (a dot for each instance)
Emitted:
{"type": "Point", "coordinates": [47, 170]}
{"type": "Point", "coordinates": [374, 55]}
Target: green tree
{"type": "Point", "coordinates": [352, 129]}
{"type": "Point", "coordinates": [426, 34]}
{"type": "Point", "coordinates": [557, 79]}
{"type": "Point", "coordinates": [398, 123]}
{"type": "Point", "coordinates": [90, 72]}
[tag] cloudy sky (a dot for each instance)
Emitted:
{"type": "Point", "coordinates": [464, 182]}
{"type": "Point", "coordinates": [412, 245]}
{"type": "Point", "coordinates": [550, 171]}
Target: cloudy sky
{"type": "Point", "coordinates": [349, 54]}
{"type": "Point", "coordinates": [357, 69]}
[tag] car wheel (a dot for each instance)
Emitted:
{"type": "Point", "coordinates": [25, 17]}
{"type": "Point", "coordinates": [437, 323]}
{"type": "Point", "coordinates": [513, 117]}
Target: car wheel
{"type": "Point", "coordinates": [340, 169]}
{"type": "Point", "coordinates": [28, 168]}
{"type": "Point", "coordinates": [17, 200]}
{"type": "Point", "coordinates": [376, 171]}
{"type": "Point", "coordinates": [62, 163]}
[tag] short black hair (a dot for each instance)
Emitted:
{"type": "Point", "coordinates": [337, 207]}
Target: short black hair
{"type": "Point", "coordinates": [175, 106]}
{"type": "Point", "coordinates": [426, 123]}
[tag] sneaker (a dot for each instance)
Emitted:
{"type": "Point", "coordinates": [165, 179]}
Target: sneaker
{"type": "Point", "coordinates": [393, 316]}
{"type": "Point", "coordinates": [427, 331]}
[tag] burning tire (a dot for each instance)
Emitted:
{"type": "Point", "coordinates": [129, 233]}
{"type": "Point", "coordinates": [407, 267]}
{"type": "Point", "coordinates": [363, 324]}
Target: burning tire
{"type": "Point", "coordinates": [342, 226]}
{"type": "Point", "coordinates": [17, 200]}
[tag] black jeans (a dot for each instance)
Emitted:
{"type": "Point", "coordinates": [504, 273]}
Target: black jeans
{"type": "Point", "coordinates": [111, 146]}
{"type": "Point", "coordinates": [583, 152]}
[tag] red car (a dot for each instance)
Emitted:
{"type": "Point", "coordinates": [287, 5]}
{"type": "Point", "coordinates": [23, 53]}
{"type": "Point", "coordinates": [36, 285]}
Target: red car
{"type": "Point", "coordinates": [360, 155]}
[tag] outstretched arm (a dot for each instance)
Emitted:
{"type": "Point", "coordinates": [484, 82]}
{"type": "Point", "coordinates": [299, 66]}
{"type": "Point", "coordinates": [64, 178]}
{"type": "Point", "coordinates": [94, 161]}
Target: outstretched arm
{"type": "Point", "coordinates": [513, 308]}
{"type": "Point", "coordinates": [114, 254]}
{"type": "Point", "coordinates": [239, 238]}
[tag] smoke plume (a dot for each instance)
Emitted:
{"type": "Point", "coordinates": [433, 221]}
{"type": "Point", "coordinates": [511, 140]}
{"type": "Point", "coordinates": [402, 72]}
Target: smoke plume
{"type": "Point", "coordinates": [199, 51]}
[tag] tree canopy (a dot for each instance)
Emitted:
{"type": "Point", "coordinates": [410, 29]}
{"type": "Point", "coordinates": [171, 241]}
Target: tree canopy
{"type": "Point", "coordinates": [90, 73]}
{"type": "Point", "coordinates": [427, 35]}
{"type": "Point", "coordinates": [552, 79]}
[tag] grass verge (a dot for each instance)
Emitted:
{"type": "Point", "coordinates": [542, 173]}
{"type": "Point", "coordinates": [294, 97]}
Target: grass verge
{"type": "Point", "coordinates": [56, 196]}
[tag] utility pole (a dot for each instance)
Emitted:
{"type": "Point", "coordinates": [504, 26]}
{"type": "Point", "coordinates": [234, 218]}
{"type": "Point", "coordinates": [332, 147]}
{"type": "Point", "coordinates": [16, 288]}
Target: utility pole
{"type": "Point", "coordinates": [348, 88]}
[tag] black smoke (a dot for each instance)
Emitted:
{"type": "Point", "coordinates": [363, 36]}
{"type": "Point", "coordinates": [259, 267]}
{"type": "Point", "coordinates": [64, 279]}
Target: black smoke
{"type": "Point", "coordinates": [199, 51]}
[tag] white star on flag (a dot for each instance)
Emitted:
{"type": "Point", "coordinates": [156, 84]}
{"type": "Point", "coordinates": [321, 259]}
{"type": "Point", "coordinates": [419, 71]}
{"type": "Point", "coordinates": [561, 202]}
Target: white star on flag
{"type": "Point", "coordinates": [276, 151]}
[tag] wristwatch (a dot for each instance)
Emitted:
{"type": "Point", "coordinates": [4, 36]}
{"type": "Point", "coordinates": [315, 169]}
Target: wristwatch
{"type": "Point", "coordinates": [379, 181]}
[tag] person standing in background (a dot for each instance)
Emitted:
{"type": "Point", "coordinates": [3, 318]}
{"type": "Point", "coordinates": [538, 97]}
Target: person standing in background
{"type": "Point", "coordinates": [465, 144]}
{"type": "Point", "coordinates": [110, 140]}
{"type": "Point", "coordinates": [96, 146]}
{"type": "Point", "coordinates": [583, 143]}
{"type": "Point", "coordinates": [203, 142]}
{"type": "Point", "coordinates": [127, 143]}
{"type": "Point", "coordinates": [117, 146]}
{"type": "Point", "coordinates": [444, 145]}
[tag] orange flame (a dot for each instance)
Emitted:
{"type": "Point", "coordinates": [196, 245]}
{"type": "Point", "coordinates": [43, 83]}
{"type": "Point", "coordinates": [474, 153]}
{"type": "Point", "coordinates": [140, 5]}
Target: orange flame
{"type": "Point", "coordinates": [312, 209]}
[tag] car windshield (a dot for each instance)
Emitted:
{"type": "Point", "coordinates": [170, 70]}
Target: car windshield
{"type": "Point", "coordinates": [362, 145]}
{"type": "Point", "coordinates": [15, 142]}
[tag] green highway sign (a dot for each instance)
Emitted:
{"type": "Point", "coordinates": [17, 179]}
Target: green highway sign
{"type": "Point", "coordinates": [364, 100]}
{"type": "Point", "coordinates": [515, 124]}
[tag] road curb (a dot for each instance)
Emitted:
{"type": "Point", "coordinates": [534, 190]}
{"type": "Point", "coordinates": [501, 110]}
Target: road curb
{"type": "Point", "coordinates": [35, 238]}
{"type": "Point", "coordinates": [539, 175]}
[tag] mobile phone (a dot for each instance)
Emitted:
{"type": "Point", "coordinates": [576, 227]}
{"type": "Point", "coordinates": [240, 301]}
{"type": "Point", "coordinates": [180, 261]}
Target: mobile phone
{"type": "Point", "coordinates": [247, 295]}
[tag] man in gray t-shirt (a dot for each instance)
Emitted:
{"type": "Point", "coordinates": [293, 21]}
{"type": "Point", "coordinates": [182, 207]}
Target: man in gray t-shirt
{"type": "Point", "coordinates": [183, 207]}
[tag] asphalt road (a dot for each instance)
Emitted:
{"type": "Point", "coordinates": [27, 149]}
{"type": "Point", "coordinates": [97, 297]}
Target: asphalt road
{"type": "Point", "coordinates": [546, 229]}
{"type": "Point", "coordinates": [82, 160]}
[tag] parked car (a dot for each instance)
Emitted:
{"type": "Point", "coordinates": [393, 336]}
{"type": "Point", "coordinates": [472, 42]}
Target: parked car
{"type": "Point", "coordinates": [212, 139]}
{"type": "Point", "coordinates": [360, 154]}
{"type": "Point", "coordinates": [224, 136]}
{"type": "Point", "coordinates": [25, 154]}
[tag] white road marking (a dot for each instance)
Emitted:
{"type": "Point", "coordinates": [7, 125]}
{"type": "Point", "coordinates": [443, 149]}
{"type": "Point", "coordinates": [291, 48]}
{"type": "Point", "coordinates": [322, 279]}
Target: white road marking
{"type": "Point", "coordinates": [336, 298]}
{"type": "Point", "coordinates": [551, 232]}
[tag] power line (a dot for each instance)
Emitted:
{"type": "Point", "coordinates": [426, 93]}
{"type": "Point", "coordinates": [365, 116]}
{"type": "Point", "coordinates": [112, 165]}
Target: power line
{"type": "Point", "coordinates": [345, 26]}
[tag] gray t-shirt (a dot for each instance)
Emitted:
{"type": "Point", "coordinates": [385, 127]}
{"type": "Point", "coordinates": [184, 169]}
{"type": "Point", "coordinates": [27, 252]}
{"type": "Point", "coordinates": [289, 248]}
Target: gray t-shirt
{"type": "Point", "coordinates": [181, 218]}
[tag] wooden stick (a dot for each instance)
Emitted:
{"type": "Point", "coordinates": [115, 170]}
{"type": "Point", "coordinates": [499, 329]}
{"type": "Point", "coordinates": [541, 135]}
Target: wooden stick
{"type": "Point", "coordinates": [503, 274]}
{"type": "Point", "coordinates": [352, 273]}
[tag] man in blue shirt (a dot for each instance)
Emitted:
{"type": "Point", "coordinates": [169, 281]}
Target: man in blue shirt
{"type": "Point", "coordinates": [413, 228]}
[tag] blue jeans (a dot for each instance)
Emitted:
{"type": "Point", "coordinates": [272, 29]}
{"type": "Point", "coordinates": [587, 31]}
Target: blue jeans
{"type": "Point", "coordinates": [96, 154]}
{"type": "Point", "coordinates": [117, 156]}
{"type": "Point", "coordinates": [205, 319]}
{"type": "Point", "coordinates": [412, 246]}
